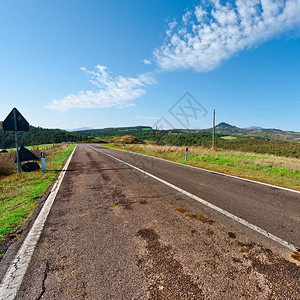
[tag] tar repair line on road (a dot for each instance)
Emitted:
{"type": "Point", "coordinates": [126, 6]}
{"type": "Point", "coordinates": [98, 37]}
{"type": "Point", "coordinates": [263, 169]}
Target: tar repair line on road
{"type": "Point", "coordinates": [216, 208]}
{"type": "Point", "coordinates": [15, 274]}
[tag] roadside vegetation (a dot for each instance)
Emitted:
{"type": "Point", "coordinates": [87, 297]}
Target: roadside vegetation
{"type": "Point", "coordinates": [277, 170]}
{"type": "Point", "coordinates": [20, 193]}
{"type": "Point", "coordinates": [37, 136]}
{"type": "Point", "coordinates": [235, 142]}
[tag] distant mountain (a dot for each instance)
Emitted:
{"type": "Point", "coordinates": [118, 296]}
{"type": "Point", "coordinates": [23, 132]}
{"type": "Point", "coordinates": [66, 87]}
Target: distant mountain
{"type": "Point", "coordinates": [274, 134]}
{"type": "Point", "coordinates": [224, 128]}
{"type": "Point", "coordinates": [253, 127]}
{"type": "Point", "coordinates": [143, 132]}
{"type": "Point", "coordinates": [79, 129]}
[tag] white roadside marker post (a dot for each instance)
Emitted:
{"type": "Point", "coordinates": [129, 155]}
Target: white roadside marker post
{"type": "Point", "coordinates": [123, 146]}
{"type": "Point", "coordinates": [43, 160]}
{"type": "Point", "coordinates": [186, 154]}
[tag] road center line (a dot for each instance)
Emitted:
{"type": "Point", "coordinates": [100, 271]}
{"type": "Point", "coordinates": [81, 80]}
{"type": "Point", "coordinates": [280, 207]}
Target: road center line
{"type": "Point", "coordinates": [15, 273]}
{"type": "Point", "coordinates": [208, 204]}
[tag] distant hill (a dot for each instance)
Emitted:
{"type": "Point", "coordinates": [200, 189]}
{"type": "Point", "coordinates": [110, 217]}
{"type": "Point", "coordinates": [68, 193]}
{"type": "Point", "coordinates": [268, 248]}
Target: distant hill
{"type": "Point", "coordinates": [36, 136]}
{"type": "Point", "coordinates": [274, 134]}
{"type": "Point", "coordinates": [147, 132]}
{"type": "Point", "coordinates": [254, 127]}
{"type": "Point", "coordinates": [79, 129]}
{"type": "Point", "coordinates": [113, 131]}
{"type": "Point", "coordinates": [273, 141]}
{"type": "Point", "coordinates": [227, 137]}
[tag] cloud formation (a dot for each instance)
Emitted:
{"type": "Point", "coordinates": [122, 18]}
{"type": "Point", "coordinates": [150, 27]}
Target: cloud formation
{"type": "Point", "coordinates": [202, 39]}
{"type": "Point", "coordinates": [213, 32]}
{"type": "Point", "coordinates": [147, 62]}
{"type": "Point", "coordinates": [110, 91]}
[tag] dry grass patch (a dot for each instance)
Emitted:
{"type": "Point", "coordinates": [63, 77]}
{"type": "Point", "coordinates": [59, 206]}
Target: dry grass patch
{"type": "Point", "coordinates": [7, 163]}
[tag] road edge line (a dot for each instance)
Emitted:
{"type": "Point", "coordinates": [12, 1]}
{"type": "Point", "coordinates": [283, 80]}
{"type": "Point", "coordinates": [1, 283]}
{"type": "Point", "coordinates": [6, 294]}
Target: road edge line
{"type": "Point", "coordinates": [212, 206]}
{"type": "Point", "coordinates": [210, 171]}
{"type": "Point", "coordinates": [13, 278]}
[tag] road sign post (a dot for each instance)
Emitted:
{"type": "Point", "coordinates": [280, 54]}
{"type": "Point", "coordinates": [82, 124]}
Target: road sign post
{"type": "Point", "coordinates": [17, 142]}
{"type": "Point", "coordinates": [15, 122]}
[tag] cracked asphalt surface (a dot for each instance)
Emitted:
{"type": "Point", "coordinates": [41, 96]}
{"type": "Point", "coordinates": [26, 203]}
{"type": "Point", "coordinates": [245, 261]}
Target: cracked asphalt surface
{"type": "Point", "coordinates": [115, 233]}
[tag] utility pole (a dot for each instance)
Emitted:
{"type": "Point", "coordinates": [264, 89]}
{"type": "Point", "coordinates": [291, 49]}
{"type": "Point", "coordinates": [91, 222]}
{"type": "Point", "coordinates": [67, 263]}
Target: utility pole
{"type": "Point", "coordinates": [156, 136]}
{"type": "Point", "coordinates": [213, 133]}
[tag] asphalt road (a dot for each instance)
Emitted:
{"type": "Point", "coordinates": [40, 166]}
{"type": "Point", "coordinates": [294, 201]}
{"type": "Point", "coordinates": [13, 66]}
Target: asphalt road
{"type": "Point", "coordinates": [275, 210]}
{"type": "Point", "coordinates": [115, 233]}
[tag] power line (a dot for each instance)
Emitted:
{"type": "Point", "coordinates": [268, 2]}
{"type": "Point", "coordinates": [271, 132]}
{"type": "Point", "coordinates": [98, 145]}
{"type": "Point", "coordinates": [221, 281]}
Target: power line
{"type": "Point", "coordinates": [260, 107]}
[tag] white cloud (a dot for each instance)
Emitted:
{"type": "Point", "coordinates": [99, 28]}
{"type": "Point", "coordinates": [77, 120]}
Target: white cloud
{"type": "Point", "coordinates": [172, 24]}
{"type": "Point", "coordinates": [110, 91]}
{"type": "Point", "coordinates": [147, 62]}
{"type": "Point", "coordinates": [213, 32]}
{"type": "Point", "coordinates": [199, 13]}
{"type": "Point", "coordinates": [186, 17]}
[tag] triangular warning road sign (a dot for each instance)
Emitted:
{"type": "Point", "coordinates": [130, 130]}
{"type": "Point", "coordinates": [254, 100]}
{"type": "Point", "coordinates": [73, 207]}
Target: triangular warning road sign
{"type": "Point", "coordinates": [15, 122]}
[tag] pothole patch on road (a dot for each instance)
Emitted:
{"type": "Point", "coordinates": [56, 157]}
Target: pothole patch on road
{"type": "Point", "coordinates": [191, 216]}
{"type": "Point", "coordinates": [295, 255]}
{"type": "Point", "coordinates": [168, 280]}
{"type": "Point", "coordinates": [232, 235]}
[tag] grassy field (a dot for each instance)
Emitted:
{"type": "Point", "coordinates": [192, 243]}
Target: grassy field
{"type": "Point", "coordinates": [229, 137]}
{"type": "Point", "coordinates": [41, 147]}
{"type": "Point", "coordinates": [36, 147]}
{"type": "Point", "coordinates": [19, 193]}
{"type": "Point", "coordinates": [281, 171]}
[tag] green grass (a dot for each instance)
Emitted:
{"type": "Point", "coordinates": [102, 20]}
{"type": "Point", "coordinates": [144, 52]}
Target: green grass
{"type": "Point", "coordinates": [276, 170]}
{"type": "Point", "coordinates": [19, 193]}
{"type": "Point", "coordinates": [41, 147]}
{"type": "Point", "coordinates": [229, 137]}
{"type": "Point", "coordinates": [37, 147]}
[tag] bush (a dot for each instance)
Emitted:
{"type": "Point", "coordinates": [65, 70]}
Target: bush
{"type": "Point", "coordinates": [129, 139]}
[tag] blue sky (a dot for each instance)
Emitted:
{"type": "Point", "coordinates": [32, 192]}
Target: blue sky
{"type": "Point", "coordinates": [70, 64]}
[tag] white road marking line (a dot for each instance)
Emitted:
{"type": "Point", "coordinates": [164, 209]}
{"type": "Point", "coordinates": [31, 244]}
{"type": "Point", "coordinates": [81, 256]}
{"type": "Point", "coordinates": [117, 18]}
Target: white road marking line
{"type": "Point", "coordinates": [15, 274]}
{"type": "Point", "coordinates": [216, 208]}
{"type": "Point", "coordinates": [210, 171]}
